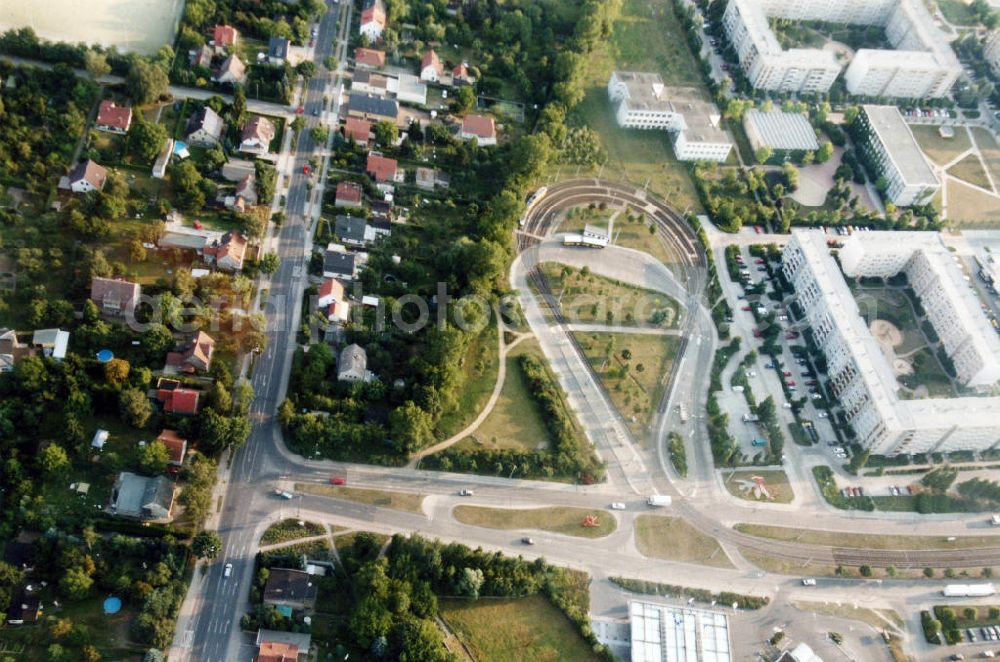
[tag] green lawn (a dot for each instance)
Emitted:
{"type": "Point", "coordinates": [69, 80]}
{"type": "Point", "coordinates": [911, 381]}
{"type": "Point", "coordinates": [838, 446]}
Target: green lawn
{"type": "Point", "coordinates": [290, 529]}
{"type": "Point", "coordinates": [557, 519]}
{"type": "Point", "coordinates": [590, 298]}
{"type": "Point", "coordinates": [968, 207]}
{"type": "Point", "coordinates": [381, 498]}
{"type": "Point", "coordinates": [674, 539]}
{"type": "Point", "coordinates": [346, 540]}
{"type": "Point", "coordinates": [527, 629]}
{"type": "Point", "coordinates": [941, 150]}
{"type": "Point", "coordinates": [958, 12]}
{"type": "Point", "coordinates": [479, 373]}
{"type": "Point", "coordinates": [865, 540]}
{"type": "Point", "coordinates": [635, 384]}
{"type": "Point", "coordinates": [970, 170]}
{"type": "Point", "coordinates": [989, 150]}
{"type": "Point", "coordinates": [776, 483]}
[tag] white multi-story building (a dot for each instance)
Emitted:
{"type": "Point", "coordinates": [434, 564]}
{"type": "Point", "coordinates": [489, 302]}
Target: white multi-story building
{"type": "Point", "coordinates": [642, 101]}
{"type": "Point", "coordinates": [889, 143]}
{"type": "Point", "coordinates": [922, 63]}
{"type": "Point", "coordinates": [861, 378]}
{"type": "Point", "coordinates": [991, 50]}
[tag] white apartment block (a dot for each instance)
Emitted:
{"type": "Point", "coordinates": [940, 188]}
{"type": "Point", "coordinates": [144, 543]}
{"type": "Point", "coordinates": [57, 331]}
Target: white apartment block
{"type": "Point", "coordinates": [991, 50]}
{"type": "Point", "coordinates": [642, 101]}
{"type": "Point", "coordinates": [966, 334]}
{"type": "Point", "coordinates": [922, 63]}
{"type": "Point", "coordinates": [889, 143]}
{"type": "Point", "coordinates": [860, 375]}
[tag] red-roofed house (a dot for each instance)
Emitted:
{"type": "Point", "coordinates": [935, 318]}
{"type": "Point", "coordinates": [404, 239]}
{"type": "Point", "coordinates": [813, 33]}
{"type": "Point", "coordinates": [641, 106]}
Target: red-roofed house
{"type": "Point", "coordinates": [348, 194]}
{"type": "Point", "coordinates": [460, 75]}
{"type": "Point", "coordinates": [431, 68]}
{"type": "Point", "coordinates": [276, 651]}
{"type": "Point", "coordinates": [196, 357]}
{"type": "Point", "coordinates": [381, 169]}
{"type": "Point", "coordinates": [358, 129]}
{"type": "Point", "coordinates": [183, 401]}
{"type": "Point", "coordinates": [257, 135]}
{"type": "Point", "coordinates": [228, 252]}
{"type": "Point", "coordinates": [372, 19]}
{"type": "Point", "coordinates": [480, 127]}
{"type": "Point", "coordinates": [232, 71]}
{"type": "Point", "coordinates": [368, 58]}
{"type": "Point", "coordinates": [176, 447]}
{"type": "Point", "coordinates": [332, 299]}
{"type": "Point", "coordinates": [113, 118]}
{"type": "Point", "coordinates": [225, 35]}
{"type": "Point", "coordinates": [87, 176]}
{"type": "Point", "coordinates": [114, 297]}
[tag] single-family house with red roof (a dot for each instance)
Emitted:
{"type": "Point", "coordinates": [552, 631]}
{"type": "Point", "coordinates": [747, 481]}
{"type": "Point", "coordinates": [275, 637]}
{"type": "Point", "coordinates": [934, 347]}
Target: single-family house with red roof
{"type": "Point", "coordinates": [431, 68]}
{"type": "Point", "coordinates": [348, 194]}
{"type": "Point", "coordinates": [175, 445]}
{"type": "Point", "coordinates": [372, 19]}
{"type": "Point", "coordinates": [382, 169]}
{"type": "Point", "coordinates": [225, 35]}
{"type": "Point", "coordinates": [227, 252]}
{"type": "Point", "coordinates": [481, 127]}
{"type": "Point", "coordinates": [113, 118]}
{"type": "Point", "coordinates": [369, 58]}
{"type": "Point", "coordinates": [196, 356]}
{"type": "Point", "coordinates": [358, 129]}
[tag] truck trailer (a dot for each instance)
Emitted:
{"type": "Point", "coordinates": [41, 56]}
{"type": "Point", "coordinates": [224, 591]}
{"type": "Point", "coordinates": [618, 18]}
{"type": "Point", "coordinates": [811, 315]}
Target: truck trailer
{"type": "Point", "coordinates": [968, 590]}
{"type": "Point", "coordinates": [659, 501]}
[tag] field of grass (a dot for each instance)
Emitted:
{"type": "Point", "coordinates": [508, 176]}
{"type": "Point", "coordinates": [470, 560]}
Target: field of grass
{"type": "Point", "coordinates": [674, 539]}
{"type": "Point", "coordinates": [479, 374]}
{"type": "Point", "coordinates": [865, 540]}
{"type": "Point", "coordinates": [381, 498]}
{"type": "Point", "coordinates": [990, 151]}
{"type": "Point", "coordinates": [969, 207]}
{"type": "Point", "coordinates": [527, 628]}
{"type": "Point", "coordinates": [928, 373]}
{"type": "Point", "coordinates": [631, 230]}
{"type": "Point", "coordinates": [290, 529]}
{"type": "Point", "coordinates": [958, 12]}
{"type": "Point", "coordinates": [557, 519]}
{"type": "Point", "coordinates": [775, 481]}
{"type": "Point", "coordinates": [940, 150]}
{"type": "Point", "coordinates": [589, 299]}
{"type": "Point", "coordinates": [645, 38]}
{"type": "Point", "coordinates": [516, 420]}
{"type": "Point", "coordinates": [970, 170]}
{"type": "Point", "coordinates": [635, 384]}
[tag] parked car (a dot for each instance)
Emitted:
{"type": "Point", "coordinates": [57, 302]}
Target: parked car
{"type": "Point", "coordinates": [527, 541]}
{"type": "Point", "coordinates": [808, 581]}
{"type": "Point", "coordinates": [789, 382]}
{"type": "Point", "coordinates": [758, 261]}
{"type": "Point", "coordinates": [228, 570]}
{"type": "Point", "coordinates": [786, 373]}
{"type": "Point", "coordinates": [617, 505]}
{"type": "Point", "coordinates": [822, 414]}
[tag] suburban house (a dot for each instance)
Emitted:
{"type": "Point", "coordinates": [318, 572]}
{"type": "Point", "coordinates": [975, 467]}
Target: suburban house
{"type": "Point", "coordinates": [225, 35]}
{"type": "Point", "coordinates": [460, 75]}
{"type": "Point", "coordinates": [277, 646]}
{"type": "Point", "coordinates": [232, 71]}
{"type": "Point", "coordinates": [372, 19]}
{"type": "Point", "coordinates": [227, 252]}
{"type": "Point", "coordinates": [277, 50]}
{"type": "Point", "coordinates": [352, 366]}
{"type": "Point", "coordinates": [113, 118]}
{"type": "Point", "coordinates": [431, 68]}
{"type": "Point", "coordinates": [353, 231]}
{"type": "Point", "coordinates": [52, 342]}
{"type": "Point", "coordinates": [381, 208]}
{"type": "Point", "coordinates": [290, 588]}
{"type": "Point", "coordinates": [12, 350]}
{"type": "Point", "coordinates": [141, 497]}
{"type": "Point", "coordinates": [338, 263]}
{"type": "Point", "coordinates": [480, 127]}
{"type": "Point", "coordinates": [201, 57]}
{"type": "Point", "coordinates": [245, 194]}
{"type": "Point", "coordinates": [425, 178]}
{"type": "Point", "coordinates": [332, 299]}
{"type": "Point", "coordinates": [196, 355]}
{"type": "Point", "coordinates": [177, 400]}
{"type": "Point", "coordinates": [175, 445]}
{"type": "Point", "coordinates": [381, 169]}
{"type": "Point", "coordinates": [25, 608]}
{"type": "Point", "coordinates": [372, 107]}
{"type": "Point", "coordinates": [114, 297]}
{"type": "Point", "coordinates": [409, 89]}
{"type": "Point", "coordinates": [205, 128]}
{"type": "Point", "coordinates": [349, 194]}
{"type": "Point", "coordinates": [358, 129]}
{"type": "Point", "coordinates": [368, 58]}
{"type": "Point", "coordinates": [367, 82]}
{"type": "Point", "coordinates": [257, 135]}
{"type": "Point", "coordinates": [87, 176]}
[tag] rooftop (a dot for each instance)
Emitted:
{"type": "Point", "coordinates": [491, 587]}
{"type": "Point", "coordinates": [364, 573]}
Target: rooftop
{"type": "Point", "coordinates": [678, 634]}
{"type": "Point", "coordinates": [779, 130]}
{"type": "Point", "coordinates": [895, 134]}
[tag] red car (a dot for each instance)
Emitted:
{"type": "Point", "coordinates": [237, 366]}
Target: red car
{"type": "Point", "coordinates": [757, 229]}
{"type": "Point", "coordinates": [811, 382]}
{"type": "Point", "coordinates": [745, 308]}
{"type": "Point", "coordinates": [757, 334]}
{"type": "Point", "coordinates": [306, 170]}
{"type": "Point", "coordinates": [789, 382]}
{"type": "Point", "coordinates": [758, 261]}
{"type": "Point", "coordinates": [338, 480]}
{"type": "Point", "coordinates": [300, 110]}
{"type": "Point", "coordinates": [787, 373]}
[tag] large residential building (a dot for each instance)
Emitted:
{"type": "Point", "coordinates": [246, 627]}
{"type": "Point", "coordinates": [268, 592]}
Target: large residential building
{"type": "Point", "coordinates": [888, 143]}
{"type": "Point", "coordinates": [642, 101]}
{"type": "Point", "coordinates": [952, 308]}
{"type": "Point", "coordinates": [861, 378]}
{"type": "Point", "coordinates": [920, 64]}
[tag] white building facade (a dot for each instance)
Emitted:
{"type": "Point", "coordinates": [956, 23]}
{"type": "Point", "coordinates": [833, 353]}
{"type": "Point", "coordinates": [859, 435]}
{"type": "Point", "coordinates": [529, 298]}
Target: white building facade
{"type": "Point", "coordinates": [889, 144]}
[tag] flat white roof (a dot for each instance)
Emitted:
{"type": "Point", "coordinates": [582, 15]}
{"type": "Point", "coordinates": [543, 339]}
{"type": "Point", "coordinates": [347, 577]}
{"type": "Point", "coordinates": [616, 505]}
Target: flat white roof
{"type": "Point", "coordinates": [782, 130]}
{"type": "Point", "coordinates": [666, 633]}
{"type": "Point", "coordinates": [894, 133]}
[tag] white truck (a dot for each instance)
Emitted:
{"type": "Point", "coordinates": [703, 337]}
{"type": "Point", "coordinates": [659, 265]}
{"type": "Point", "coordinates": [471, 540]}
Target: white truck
{"type": "Point", "coordinates": [659, 501]}
{"type": "Point", "coordinates": [968, 590]}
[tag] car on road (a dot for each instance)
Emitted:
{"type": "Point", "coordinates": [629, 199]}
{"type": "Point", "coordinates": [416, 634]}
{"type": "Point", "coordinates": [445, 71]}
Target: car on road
{"type": "Point", "coordinates": [228, 570]}
{"type": "Point", "coordinates": [283, 494]}
{"type": "Point", "coordinates": [786, 373]}
{"type": "Point", "coordinates": [528, 541]}
{"type": "Point", "coordinates": [758, 261]}
{"type": "Point", "coordinates": [808, 581]}
{"type": "Point", "coordinates": [466, 493]}
{"type": "Point", "coordinates": [757, 229]}
{"type": "Point", "coordinates": [300, 110]}
{"type": "Point", "coordinates": [789, 382]}
{"type": "Point", "coordinates": [786, 405]}
{"type": "Point", "coordinates": [822, 414]}
{"type": "Point", "coordinates": [338, 480]}
{"type": "Point", "coordinates": [617, 505]}
{"type": "Point", "coordinates": [746, 308]}
{"type": "Point", "coordinates": [315, 112]}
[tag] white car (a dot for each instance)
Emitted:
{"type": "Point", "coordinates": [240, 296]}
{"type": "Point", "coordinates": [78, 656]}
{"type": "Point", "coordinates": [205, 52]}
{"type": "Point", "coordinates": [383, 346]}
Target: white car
{"type": "Point", "coordinates": [618, 505]}
{"type": "Point", "coordinates": [822, 414]}
{"type": "Point", "coordinates": [786, 405]}
{"type": "Point", "coordinates": [466, 493]}
{"type": "Point", "coordinates": [228, 570]}
{"type": "Point", "coordinates": [808, 581]}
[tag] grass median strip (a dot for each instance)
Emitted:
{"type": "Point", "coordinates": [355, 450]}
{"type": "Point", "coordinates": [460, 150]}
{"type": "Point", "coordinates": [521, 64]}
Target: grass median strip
{"type": "Point", "coordinates": [381, 498]}
{"type": "Point", "coordinates": [865, 540]}
{"type": "Point", "coordinates": [673, 539]}
{"type": "Point", "coordinates": [290, 529]}
{"type": "Point", "coordinates": [557, 519]}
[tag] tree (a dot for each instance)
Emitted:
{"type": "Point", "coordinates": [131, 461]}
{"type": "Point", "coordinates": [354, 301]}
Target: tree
{"type": "Point", "coordinates": [929, 573]}
{"type": "Point", "coordinates": [825, 152]}
{"type": "Point", "coordinates": [187, 181]}
{"type": "Point", "coordinates": [763, 154]}
{"type": "Point", "coordinates": [269, 263]}
{"type": "Point", "coordinates": [386, 134]}
{"type": "Point", "coordinates": [146, 139]}
{"type": "Point", "coordinates": [146, 82]}
{"type": "Point", "coordinates": [10, 577]}
{"type": "Point", "coordinates": [266, 177]}
{"type": "Point", "coordinates": [135, 407]}
{"type": "Point", "coordinates": [306, 69]}
{"type": "Point", "coordinates": [319, 134]}
{"type": "Point", "coordinates": [410, 427]}
{"type": "Point", "coordinates": [89, 653]}
{"type": "Point", "coordinates": [54, 461]}
{"type": "Point", "coordinates": [465, 100]}
{"type": "Point", "coordinates": [153, 459]}
{"type": "Point", "coordinates": [238, 108]}
{"type": "Point", "coordinates": [865, 570]}
{"type": "Point", "coordinates": [470, 582]}
{"type": "Point", "coordinates": [206, 545]}
{"type": "Point", "coordinates": [96, 64]}
{"type": "Point", "coordinates": [116, 371]}
{"type": "Point", "coordinates": [76, 583]}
